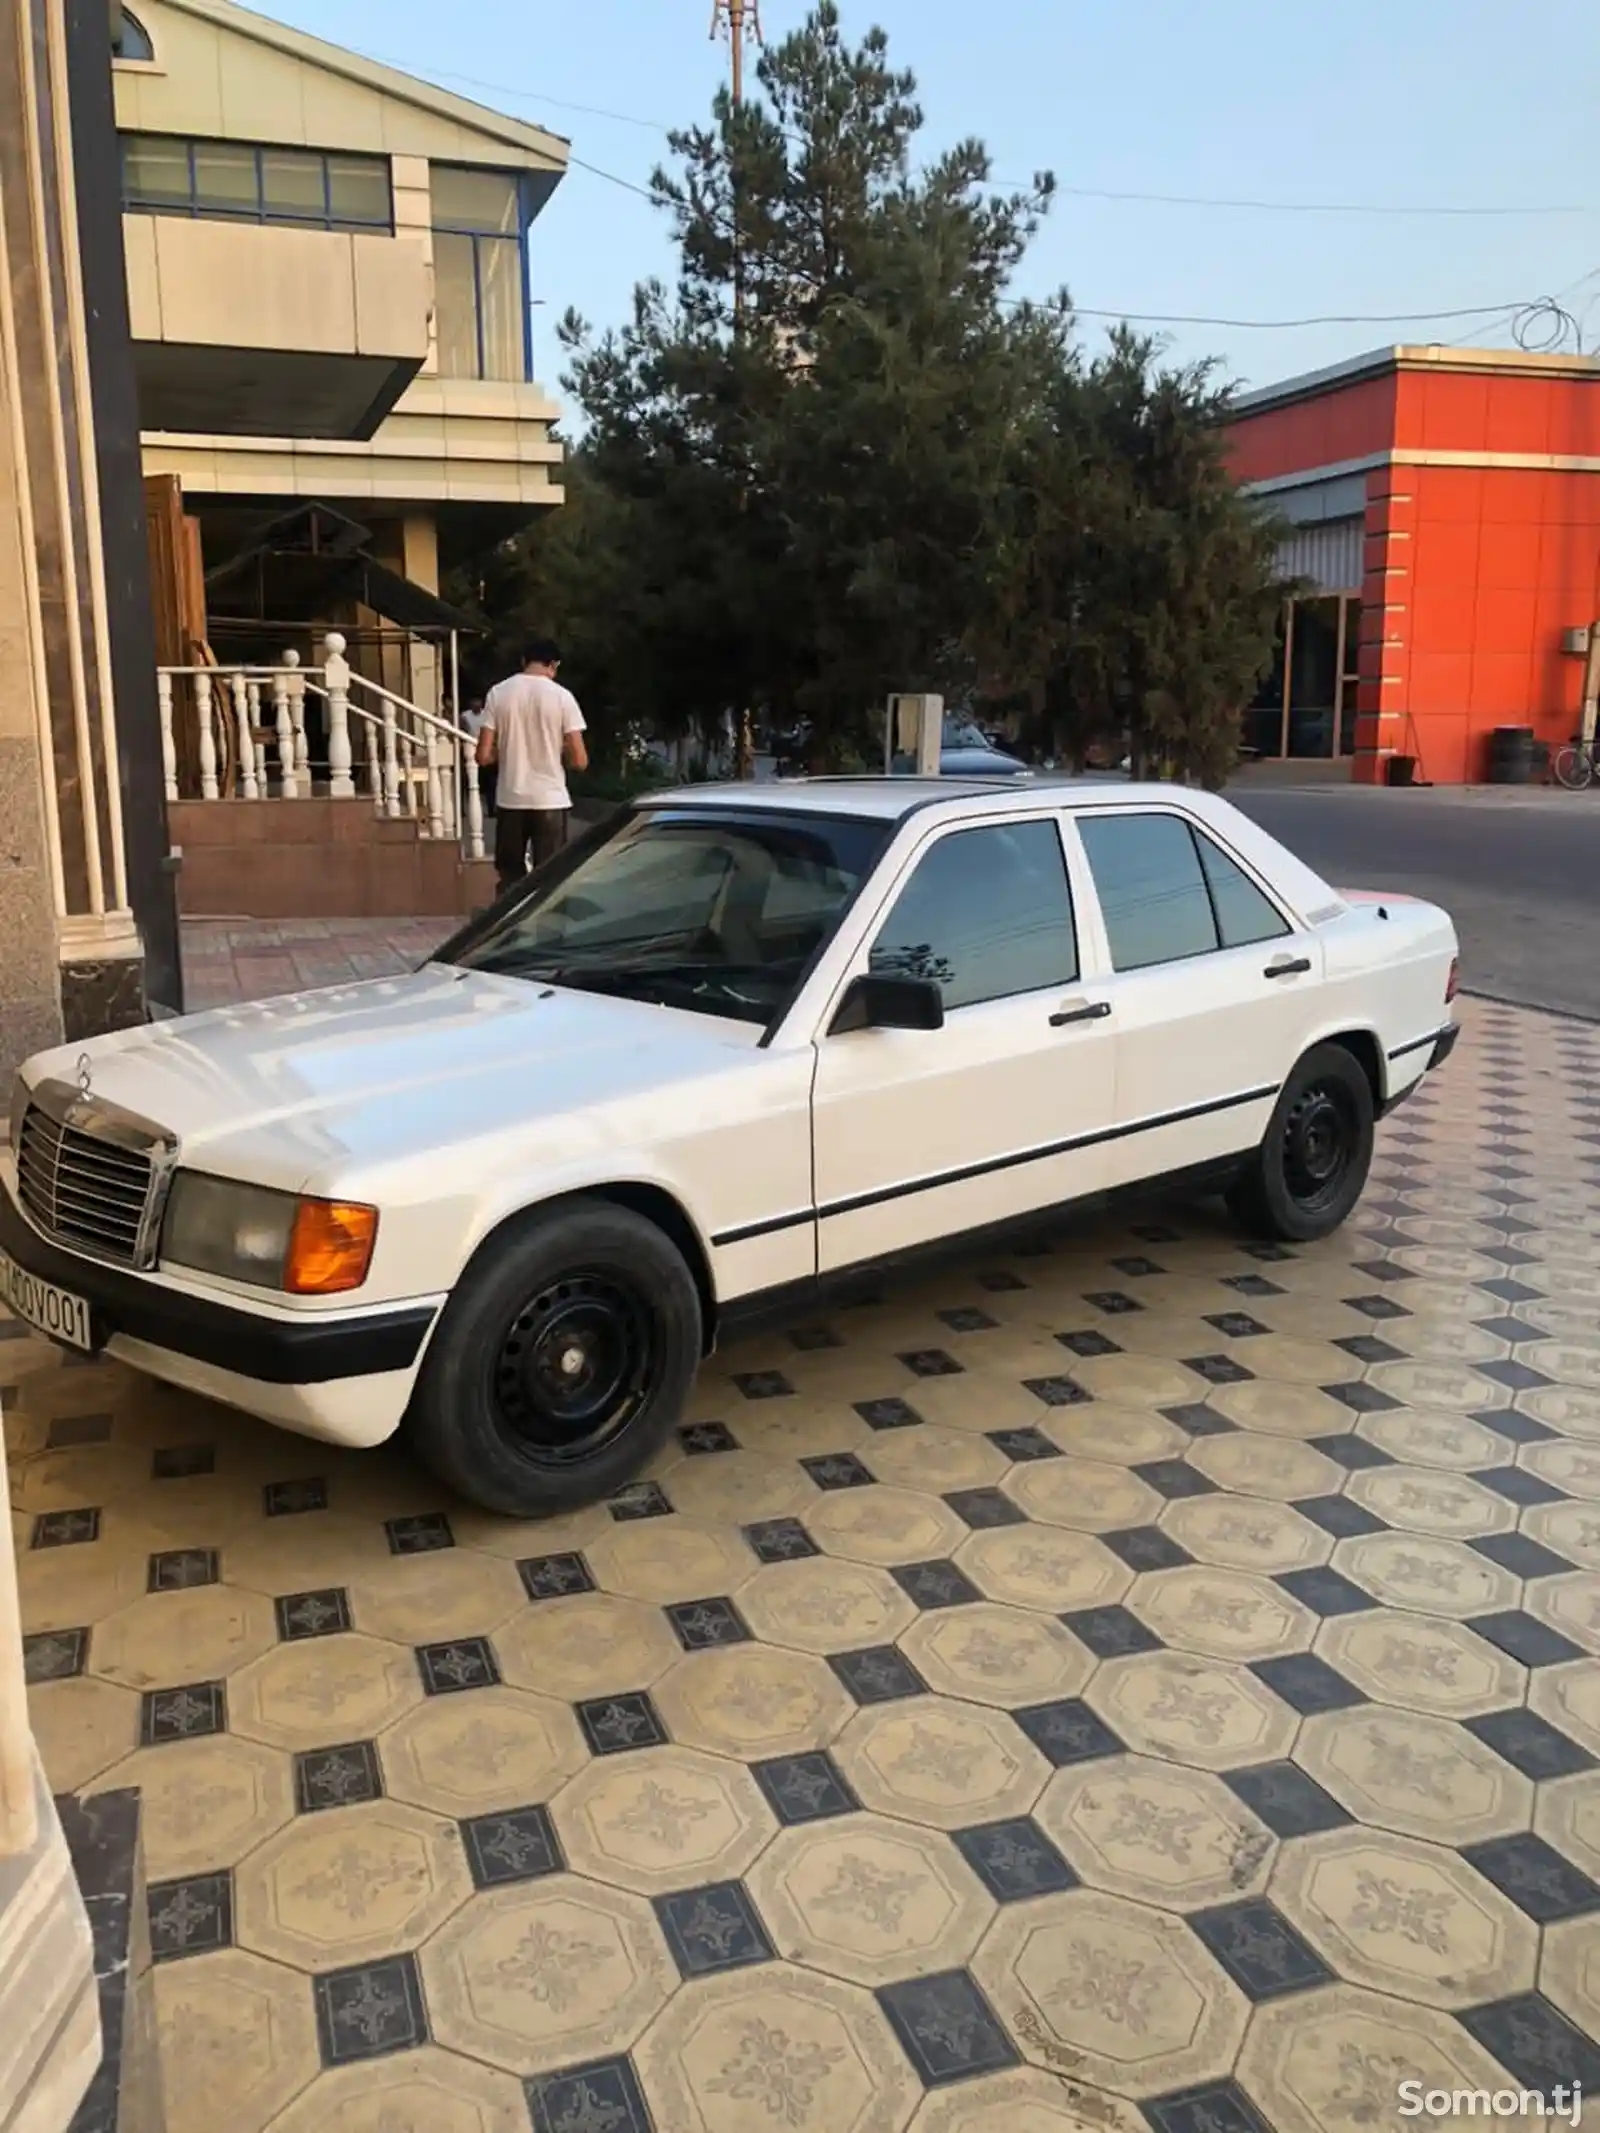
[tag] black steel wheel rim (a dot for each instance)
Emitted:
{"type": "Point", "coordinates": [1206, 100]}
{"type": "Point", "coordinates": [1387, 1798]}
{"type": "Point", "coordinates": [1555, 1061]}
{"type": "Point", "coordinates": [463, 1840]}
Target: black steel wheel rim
{"type": "Point", "coordinates": [574, 1367]}
{"type": "Point", "coordinates": [1321, 1135]}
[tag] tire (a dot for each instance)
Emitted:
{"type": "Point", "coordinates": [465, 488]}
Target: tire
{"type": "Point", "coordinates": [1572, 767]}
{"type": "Point", "coordinates": [581, 1287]}
{"type": "Point", "coordinates": [1312, 1165]}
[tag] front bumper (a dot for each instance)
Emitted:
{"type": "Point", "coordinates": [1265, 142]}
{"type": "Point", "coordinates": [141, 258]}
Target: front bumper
{"type": "Point", "coordinates": [222, 1336]}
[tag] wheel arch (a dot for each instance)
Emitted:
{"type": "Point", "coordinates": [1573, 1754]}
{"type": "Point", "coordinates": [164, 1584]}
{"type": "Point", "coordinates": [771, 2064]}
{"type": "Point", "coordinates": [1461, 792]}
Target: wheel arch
{"type": "Point", "coordinates": [1367, 1052]}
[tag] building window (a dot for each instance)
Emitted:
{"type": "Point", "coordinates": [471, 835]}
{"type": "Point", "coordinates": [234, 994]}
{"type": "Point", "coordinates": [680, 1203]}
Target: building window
{"type": "Point", "coordinates": [480, 273]}
{"type": "Point", "coordinates": [233, 181]}
{"type": "Point", "coordinates": [130, 39]}
{"type": "Point", "coordinates": [1306, 705]}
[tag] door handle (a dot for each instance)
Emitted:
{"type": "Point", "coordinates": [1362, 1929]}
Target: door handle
{"type": "Point", "coordinates": [1291, 967]}
{"type": "Point", "coordinates": [1080, 1011]}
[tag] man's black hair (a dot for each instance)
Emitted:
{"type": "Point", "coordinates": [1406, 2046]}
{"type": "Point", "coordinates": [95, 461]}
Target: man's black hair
{"type": "Point", "coordinates": [541, 652]}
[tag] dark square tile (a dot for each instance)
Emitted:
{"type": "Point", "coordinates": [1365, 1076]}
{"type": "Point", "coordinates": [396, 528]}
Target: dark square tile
{"type": "Point", "coordinates": [639, 1499]}
{"type": "Point", "coordinates": [178, 1462]}
{"type": "Point", "coordinates": [1383, 1270]}
{"type": "Point", "coordinates": [1354, 1454]}
{"type": "Point", "coordinates": [1089, 1343]}
{"type": "Point", "coordinates": [1506, 1329]}
{"type": "Point", "coordinates": [1524, 1558]}
{"type": "Point", "coordinates": [1516, 1428]}
{"type": "Point", "coordinates": [1146, 1548]}
{"type": "Point", "coordinates": [1058, 1391]}
{"type": "Point", "coordinates": [1217, 1369]}
{"type": "Point", "coordinates": [54, 1654]}
{"type": "Point", "coordinates": [1526, 1639]}
{"type": "Point", "coordinates": [179, 1569]}
{"type": "Point", "coordinates": [1014, 1859]}
{"type": "Point", "coordinates": [805, 1788]}
{"type": "Point", "coordinates": [552, 1577]}
{"type": "Point", "coordinates": [1535, 1876]}
{"type": "Point", "coordinates": [839, 1470]}
{"type": "Point", "coordinates": [1196, 1419]}
{"type": "Point", "coordinates": [967, 1318]}
{"type": "Point", "coordinates": [1024, 1444]}
{"type": "Point", "coordinates": [888, 1414]}
{"type": "Point", "coordinates": [701, 1625]}
{"type": "Point", "coordinates": [519, 1845]}
{"type": "Point", "coordinates": [1282, 1796]}
{"type": "Point", "coordinates": [337, 1777]}
{"type": "Point", "coordinates": [1340, 1516]}
{"type": "Point", "coordinates": [812, 1340]}
{"type": "Point", "coordinates": [1267, 1254]}
{"type": "Point", "coordinates": [283, 1499]}
{"type": "Point", "coordinates": [1068, 1732]}
{"type": "Point", "coordinates": [613, 1724]}
{"type": "Point", "coordinates": [191, 1917]}
{"type": "Point", "coordinates": [935, 1584]}
{"type": "Point", "coordinates": [1507, 1291]}
{"type": "Point", "coordinates": [946, 2028]}
{"type": "Point", "coordinates": [183, 1713]}
{"type": "Point", "coordinates": [698, 1437]}
{"type": "Point", "coordinates": [1236, 1325]}
{"type": "Point", "coordinates": [1518, 1486]}
{"type": "Point", "coordinates": [1156, 1233]}
{"type": "Point", "coordinates": [419, 1534]}
{"type": "Point", "coordinates": [68, 1430]}
{"type": "Point", "coordinates": [1000, 1281]}
{"type": "Point", "coordinates": [1137, 1267]}
{"type": "Point", "coordinates": [1362, 1398]}
{"type": "Point", "coordinates": [1252, 1285]}
{"type": "Point", "coordinates": [1377, 1307]}
{"type": "Point", "coordinates": [1111, 1632]}
{"type": "Point", "coordinates": [931, 1363]}
{"type": "Point", "coordinates": [1367, 1348]}
{"type": "Point", "coordinates": [1535, 2043]}
{"type": "Point", "coordinates": [1175, 1478]}
{"type": "Point", "coordinates": [780, 1540]}
{"type": "Point", "coordinates": [370, 2010]}
{"type": "Point", "coordinates": [603, 2096]}
{"type": "Point", "coordinates": [713, 1929]}
{"type": "Point", "coordinates": [1530, 1744]}
{"type": "Point", "coordinates": [879, 1674]}
{"type": "Point", "coordinates": [763, 1384]}
{"type": "Point", "coordinates": [1515, 1376]}
{"type": "Point", "coordinates": [1217, 2107]}
{"type": "Point", "coordinates": [312, 1614]}
{"type": "Point", "coordinates": [986, 1507]}
{"type": "Point", "coordinates": [1306, 1683]}
{"type": "Point", "coordinates": [65, 1529]}
{"type": "Point", "coordinates": [463, 1663]}
{"type": "Point", "coordinates": [1115, 1303]}
{"type": "Point", "coordinates": [1259, 1949]}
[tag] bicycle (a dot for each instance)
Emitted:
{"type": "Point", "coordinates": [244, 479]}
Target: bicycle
{"type": "Point", "coordinates": [1575, 766]}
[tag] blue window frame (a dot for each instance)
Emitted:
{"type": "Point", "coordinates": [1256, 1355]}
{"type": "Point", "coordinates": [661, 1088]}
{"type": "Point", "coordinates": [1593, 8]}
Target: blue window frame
{"type": "Point", "coordinates": [241, 181]}
{"type": "Point", "coordinates": [480, 272]}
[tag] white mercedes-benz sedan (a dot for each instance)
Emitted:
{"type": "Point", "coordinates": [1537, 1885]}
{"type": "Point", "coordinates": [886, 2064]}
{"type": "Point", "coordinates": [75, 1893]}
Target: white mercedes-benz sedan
{"type": "Point", "coordinates": [729, 1045]}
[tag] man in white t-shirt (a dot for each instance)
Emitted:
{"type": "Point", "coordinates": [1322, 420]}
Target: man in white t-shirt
{"type": "Point", "coordinates": [532, 735]}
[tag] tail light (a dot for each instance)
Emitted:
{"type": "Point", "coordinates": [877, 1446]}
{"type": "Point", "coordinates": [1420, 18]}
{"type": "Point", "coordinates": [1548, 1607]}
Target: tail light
{"type": "Point", "coordinates": [1453, 982]}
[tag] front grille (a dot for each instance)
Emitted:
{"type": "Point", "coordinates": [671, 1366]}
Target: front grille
{"type": "Point", "coordinates": [89, 1175]}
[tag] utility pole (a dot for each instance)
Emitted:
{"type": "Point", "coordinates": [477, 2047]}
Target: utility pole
{"type": "Point", "coordinates": [739, 19]}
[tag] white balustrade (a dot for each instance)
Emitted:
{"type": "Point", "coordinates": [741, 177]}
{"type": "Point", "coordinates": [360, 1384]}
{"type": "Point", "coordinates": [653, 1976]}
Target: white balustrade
{"type": "Point", "coordinates": [248, 788]}
{"type": "Point", "coordinates": [207, 738]}
{"type": "Point", "coordinates": [336, 680]}
{"type": "Point", "coordinates": [391, 763]}
{"type": "Point", "coordinates": [169, 751]}
{"type": "Point", "coordinates": [297, 718]}
{"type": "Point", "coordinates": [283, 724]}
{"type": "Point", "coordinates": [474, 808]}
{"type": "Point", "coordinates": [435, 792]}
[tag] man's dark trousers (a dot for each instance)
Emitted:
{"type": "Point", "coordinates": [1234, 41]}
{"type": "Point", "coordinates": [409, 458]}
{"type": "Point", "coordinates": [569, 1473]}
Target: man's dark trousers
{"type": "Point", "coordinates": [526, 837]}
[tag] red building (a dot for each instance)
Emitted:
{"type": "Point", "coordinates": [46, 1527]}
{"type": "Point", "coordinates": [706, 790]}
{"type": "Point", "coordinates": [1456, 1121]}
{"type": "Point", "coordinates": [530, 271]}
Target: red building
{"type": "Point", "coordinates": [1444, 507]}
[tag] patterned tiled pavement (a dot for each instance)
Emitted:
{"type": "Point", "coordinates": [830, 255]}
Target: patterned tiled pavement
{"type": "Point", "coordinates": [226, 961]}
{"type": "Point", "coordinates": [1139, 1680]}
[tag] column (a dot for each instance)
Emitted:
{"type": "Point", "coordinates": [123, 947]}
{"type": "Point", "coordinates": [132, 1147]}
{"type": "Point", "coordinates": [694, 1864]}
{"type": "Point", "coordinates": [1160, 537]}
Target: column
{"type": "Point", "coordinates": [1385, 656]}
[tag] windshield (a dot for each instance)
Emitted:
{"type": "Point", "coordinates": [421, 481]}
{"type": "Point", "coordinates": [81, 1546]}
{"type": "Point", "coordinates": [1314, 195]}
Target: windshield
{"type": "Point", "coordinates": [718, 913]}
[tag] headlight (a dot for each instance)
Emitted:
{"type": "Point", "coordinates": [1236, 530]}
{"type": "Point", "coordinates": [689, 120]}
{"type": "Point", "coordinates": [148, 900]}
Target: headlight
{"type": "Point", "coordinates": [274, 1240]}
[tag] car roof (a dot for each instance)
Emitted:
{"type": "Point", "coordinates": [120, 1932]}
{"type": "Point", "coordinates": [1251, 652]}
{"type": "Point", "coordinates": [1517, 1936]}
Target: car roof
{"type": "Point", "coordinates": [890, 798]}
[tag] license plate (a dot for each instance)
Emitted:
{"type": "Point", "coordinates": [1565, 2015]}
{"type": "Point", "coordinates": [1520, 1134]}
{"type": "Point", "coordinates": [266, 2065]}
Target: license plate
{"type": "Point", "coordinates": [51, 1311]}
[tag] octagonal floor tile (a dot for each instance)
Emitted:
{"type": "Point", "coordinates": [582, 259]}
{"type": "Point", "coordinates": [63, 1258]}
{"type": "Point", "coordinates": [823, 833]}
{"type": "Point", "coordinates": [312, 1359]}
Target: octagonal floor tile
{"type": "Point", "coordinates": [1420, 1500]}
{"type": "Point", "coordinates": [776, 2047]}
{"type": "Point", "coordinates": [1413, 1570]}
{"type": "Point", "coordinates": [671, 1819]}
{"type": "Point", "coordinates": [937, 1461]}
{"type": "Point", "coordinates": [1269, 1408]}
{"type": "Point", "coordinates": [1027, 2100]}
{"type": "Point", "coordinates": [1405, 1918]}
{"type": "Point", "coordinates": [731, 1489]}
{"type": "Point", "coordinates": [1043, 1567]}
{"type": "Point", "coordinates": [1571, 1529]}
{"type": "Point", "coordinates": [1570, 1605]}
{"type": "Point", "coordinates": [1452, 1443]}
{"type": "Point", "coordinates": [662, 1560]}
{"type": "Point", "coordinates": [1139, 1380]}
{"type": "Point", "coordinates": [822, 1603]}
{"type": "Point", "coordinates": [546, 1973]}
{"type": "Point", "coordinates": [1112, 1435]}
{"type": "Point", "coordinates": [1453, 1388]}
{"type": "Point", "coordinates": [1084, 1494]}
{"type": "Point", "coordinates": [204, 1803]}
{"type": "Point", "coordinates": [466, 1755]}
{"type": "Point", "coordinates": [939, 1762]}
{"type": "Point", "coordinates": [80, 1728]}
{"type": "Point", "coordinates": [1568, 1360]}
{"type": "Point", "coordinates": [323, 1689]}
{"type": "Point", "coordinates": [1414, 1773]}
{"type": "Point", "coordinates": [1573, 1410]}
{"type": "Point", "coordinates": [1333, 2060]}
{"type": "Point", "coordinates": [883, 1525]}
{"type": "Point", "coordinates": [305, 1554]}
{"type": "Point", "coordinates": [428, 1599]}
{"type": "Point", "coordinates": [1422, 1663]}
{"type": "Point", "coordinates": [203, 1634]}
{"type": "Point", "coordinates": [1569, 1697]}
{"type": "Point", "coordinates": [1221, 1614]}
{"type": "Point", "coordinates": [1124, 1995]}
{"type": "Point", "coordinates": [1248, 1463]}
{"type": "Point", "coordinates": [752, 1702]}
{"type": "Point", "coordinates": [1156, 1832]}
{"type": "Point", "coordinates": [1567, 1815]}
{"type": "Point", "coordinates": [870, 1900]}
{"type": "Point", "coordinates": [242, 2030]}
{"type": "Point", "coordinates": [427, 2089]}
{"type": "Point", "coordinates": [996, 1655]}
{"type": "Point", "coordinates": [1246, 1534]}
{"type": "Point", "coordinates": [65, 1588]}
{"type": "Point", "coordinates": [588, 1644]}
{"type": "Point", "coordinates": [1205, 1712]}
{"type": "Point", "coordinates": [1569, 1972]}
{"type": "Point", "coordinates": [1573, 1467]}
{"type": "Point", "coordinates": [332, 1889]}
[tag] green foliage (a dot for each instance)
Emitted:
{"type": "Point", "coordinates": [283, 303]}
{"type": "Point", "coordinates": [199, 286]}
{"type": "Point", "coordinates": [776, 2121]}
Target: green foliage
{"type": "Point", "coordinates": [837, 459]}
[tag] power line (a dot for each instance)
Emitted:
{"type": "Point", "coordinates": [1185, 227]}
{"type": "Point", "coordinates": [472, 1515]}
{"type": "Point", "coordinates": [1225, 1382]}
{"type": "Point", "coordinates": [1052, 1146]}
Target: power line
{"type": "Point", "coordinates": [1278, 325]}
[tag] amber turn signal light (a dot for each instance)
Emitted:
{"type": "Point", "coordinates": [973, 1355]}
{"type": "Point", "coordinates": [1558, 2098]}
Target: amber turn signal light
{"type": "Point", "coordinates": [1453, 982]}
{"type": "Point", "coordinates": [330, 1247]}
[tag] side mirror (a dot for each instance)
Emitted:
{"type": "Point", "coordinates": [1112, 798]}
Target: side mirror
{"type": "Point", "coordinates": [872, 1002]}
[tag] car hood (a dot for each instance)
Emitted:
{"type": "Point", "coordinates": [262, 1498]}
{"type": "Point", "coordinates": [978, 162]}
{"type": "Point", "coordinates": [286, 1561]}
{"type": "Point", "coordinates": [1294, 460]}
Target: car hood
{"type": "Point", "coordinates": [281, 1089]}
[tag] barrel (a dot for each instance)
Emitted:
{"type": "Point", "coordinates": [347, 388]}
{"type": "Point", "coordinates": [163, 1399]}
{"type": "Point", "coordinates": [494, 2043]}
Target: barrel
{"type": "Point", "coordinates": [1511, 755]}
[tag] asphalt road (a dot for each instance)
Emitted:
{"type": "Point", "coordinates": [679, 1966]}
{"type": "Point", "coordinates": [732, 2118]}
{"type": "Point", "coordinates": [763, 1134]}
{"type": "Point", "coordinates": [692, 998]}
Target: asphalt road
{"type": "Point", "coordinates": [1519, 871]}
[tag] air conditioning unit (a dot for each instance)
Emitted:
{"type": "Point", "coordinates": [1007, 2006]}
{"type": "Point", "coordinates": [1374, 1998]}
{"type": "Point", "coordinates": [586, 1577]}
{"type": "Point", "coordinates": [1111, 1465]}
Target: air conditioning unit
{"type": "Point", "coordinates": [1576, 641]}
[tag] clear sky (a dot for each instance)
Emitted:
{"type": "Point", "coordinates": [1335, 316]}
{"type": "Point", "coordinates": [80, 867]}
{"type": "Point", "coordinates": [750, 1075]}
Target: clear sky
{"type": "Point", "coordinates": [1381, 103]}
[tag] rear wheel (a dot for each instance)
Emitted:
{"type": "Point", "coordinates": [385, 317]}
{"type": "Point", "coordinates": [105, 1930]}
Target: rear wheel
{"type": "Point", "coordinates": [1312, 1164]}
{"type": "Point", "coordinates": [563, 1359]}
{"type": "Point", "coordinates": [1573, 767]}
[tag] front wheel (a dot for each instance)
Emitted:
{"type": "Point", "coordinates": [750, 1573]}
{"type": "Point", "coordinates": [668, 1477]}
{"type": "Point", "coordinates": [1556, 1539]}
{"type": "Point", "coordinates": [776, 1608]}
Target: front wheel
{"type": "Point", "coordinates": [1572, 767]}
{"type": "Point", "coordinates": [1312, 1164]}
{"type": "Point", "coordinates": [562, 1360]}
